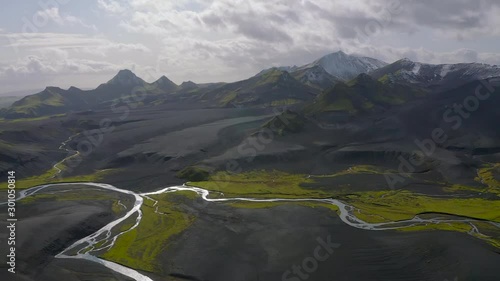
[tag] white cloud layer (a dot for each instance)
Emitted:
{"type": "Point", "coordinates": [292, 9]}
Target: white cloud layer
{"type": "Point", "coordinates": [53, 14]}
{"type": "Point", "coordinates": [227, 40]}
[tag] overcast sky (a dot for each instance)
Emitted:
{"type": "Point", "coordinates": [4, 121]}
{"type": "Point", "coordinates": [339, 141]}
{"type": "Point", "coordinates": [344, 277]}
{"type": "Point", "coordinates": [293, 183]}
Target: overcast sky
{"type": "Point", "coordinates": [84, 43]}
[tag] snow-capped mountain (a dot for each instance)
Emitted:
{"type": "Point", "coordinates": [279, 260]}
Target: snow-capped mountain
{"type": "Point", "coordinates": [326, 71]}
{"type": "Point", "coordinates": [347, 67]}
{"type": "Point", "coordinates": [440, 76]}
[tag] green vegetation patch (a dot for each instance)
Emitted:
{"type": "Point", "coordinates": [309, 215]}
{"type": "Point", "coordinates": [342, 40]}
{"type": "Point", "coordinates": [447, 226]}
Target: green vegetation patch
{"type": "Point", "coordinates": [367, 105]}
{"type": "Point", "coordinates": [228, 98]}
{"type": "Point", "coordinates": [402, 205]}
{"type": "Point", "coordinates": [50, 177]}
{"type": "Point", "coordinates": [489, 176]}
{"type": "Point", "coordinates": [31, 104]}
{"type": "Point", "coordinates": [384, 79]}
{"type": "Point", "coordinates": [265, 205]}
{"type": "Point", "coordinates": [270, 76]}
{"type": "Point", "coordinates": [194, 173]}
{"type": "Point", "coordinates": [445, 226]}
{"type": "Point", "coordinates": [140, 247]}
{"type": "Point", "coordinates": [34, 118]}
{"type": "Point", "coordinates": [342, 104]}
{"type": "Point", "coordinates": [285, 102]}
{"type": "Point", "coordinates": [386, 206]}
{"type": "Point", "coordinates": [361, 169]}
{"type": "Point", "coordinates": [462, 227]}
{"type": "Point", "coordinates": [261, 184]}
{"type": "Point", "coordinates": [4, 144]}
{"type": "Point", "coordinates": [76, 195]}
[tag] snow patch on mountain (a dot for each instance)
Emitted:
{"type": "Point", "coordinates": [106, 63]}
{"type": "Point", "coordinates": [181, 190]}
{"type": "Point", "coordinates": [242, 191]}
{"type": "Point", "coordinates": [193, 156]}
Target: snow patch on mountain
{"type": "Point", "coordinates": [442, 75]}
{"type": "Point", "coordinates": [416, 68]}
{"type": "Point", "coordinates": [316, 74]}
{"type": "Point", "coordinates": [445, 69]}
{"type": "Point", "coordinates": [347, 67]}
{"type": "Point", "coordinates": [339, 65]}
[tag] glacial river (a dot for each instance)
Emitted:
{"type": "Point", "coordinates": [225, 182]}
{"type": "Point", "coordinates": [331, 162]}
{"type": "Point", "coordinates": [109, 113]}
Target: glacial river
{"type": "Point", "coordinates": [105, 237]}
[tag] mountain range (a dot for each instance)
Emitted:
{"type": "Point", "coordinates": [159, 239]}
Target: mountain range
{"type": "Point", "coordinates": [332, 75]}
{"type": "Point", "coordinates": [330, 105]}
{"type": "Point", "coordinates": [434, 77]}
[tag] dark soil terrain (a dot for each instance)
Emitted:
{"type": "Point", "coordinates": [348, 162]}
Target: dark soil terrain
{"type": "Point", "coordinates": [47, 226]}
{"type": "Point", "coordinates": [262, 244]}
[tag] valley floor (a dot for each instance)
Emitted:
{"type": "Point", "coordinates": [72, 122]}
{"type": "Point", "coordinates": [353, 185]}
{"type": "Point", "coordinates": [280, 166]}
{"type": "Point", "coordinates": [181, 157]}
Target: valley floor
{"type": "Point", "coordinates": [195, 234]}
{"type": "Point", "coordinates": [259, 221]}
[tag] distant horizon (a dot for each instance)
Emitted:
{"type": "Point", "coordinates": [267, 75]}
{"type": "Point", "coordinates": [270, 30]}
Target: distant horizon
{"type": "Point", "coordinates": [19, 93]}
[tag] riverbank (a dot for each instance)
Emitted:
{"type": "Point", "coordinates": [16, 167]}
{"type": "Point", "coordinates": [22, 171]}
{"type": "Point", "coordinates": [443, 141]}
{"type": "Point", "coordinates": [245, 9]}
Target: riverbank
{"type": "Point", "coordinates": [219, 210]}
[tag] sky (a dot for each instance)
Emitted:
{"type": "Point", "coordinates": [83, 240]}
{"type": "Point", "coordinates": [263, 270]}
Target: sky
{"type": "Point", "coordinates": [85, 43]}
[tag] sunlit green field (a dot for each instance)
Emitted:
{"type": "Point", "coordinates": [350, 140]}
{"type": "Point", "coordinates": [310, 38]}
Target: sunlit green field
{"type": "Point", "coordinates": [50, 176]}
{"type": "Point", "coordinates": [140, 247]}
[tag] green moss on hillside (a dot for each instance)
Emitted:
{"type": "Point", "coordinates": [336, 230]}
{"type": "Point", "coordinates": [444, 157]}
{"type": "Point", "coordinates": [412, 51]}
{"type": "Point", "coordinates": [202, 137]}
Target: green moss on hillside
{"type": "Point", "coordinates": [285, 102]}
{"type": "Point", "coordinates": [342, 104]}
{"type": "Point", "coordinates": [228, 98]}
{"type": "Point", "coordinates": [31, 104]}
{"type": "Point", "coordinates": [362, 94]}
{"type": "Point", "coordinates": [50, 177]}
{"type": "Point", "coordinates": [194, 173]}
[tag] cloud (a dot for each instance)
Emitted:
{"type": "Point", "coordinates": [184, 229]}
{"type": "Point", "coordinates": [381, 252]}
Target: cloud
{"type": "Point", "coordinates": [228, 40]}
{"type": "Point", "coordinates": [76, 42]}
{"type": "Point", "coordinates": [249, 35]}
{"type": "Point", "coordinates": [290, 21]}
{"type": "Point", "coordinates": [41, 71]}
{"type": "Point", "coordinates": [46, 65]}
{"type": "Point", "coordinates": [455, 18]}
{"type": "Point", "coordinates": [37, 59]}
{"type": "Point", "coordinates": [110, 6]}
{"type": "Point", "coordinates": [54, 15]}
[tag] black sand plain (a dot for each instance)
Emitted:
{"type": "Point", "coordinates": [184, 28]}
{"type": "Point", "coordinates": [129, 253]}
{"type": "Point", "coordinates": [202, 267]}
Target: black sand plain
{"type": "Point", "coordinates": [234, 243]}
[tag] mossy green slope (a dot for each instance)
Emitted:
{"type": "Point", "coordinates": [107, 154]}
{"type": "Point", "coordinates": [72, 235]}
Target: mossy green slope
{"type": "Point", "coordinates": [50, 176]}
{"type": "Point", "coordinates": [273, 88]}
{"type": "Point", "coordinates": [50, 101]}
{"type": "Point", "coordinates": [362, 94]}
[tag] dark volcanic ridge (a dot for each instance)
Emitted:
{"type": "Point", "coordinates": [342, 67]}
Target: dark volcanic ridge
{"type": "Point", "coordinates": [273, 87]}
